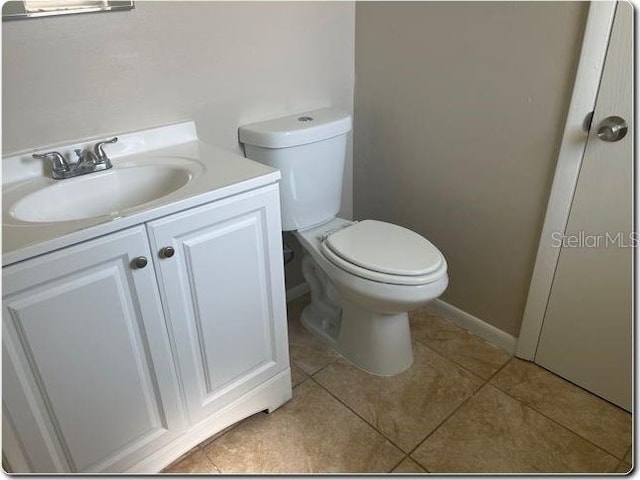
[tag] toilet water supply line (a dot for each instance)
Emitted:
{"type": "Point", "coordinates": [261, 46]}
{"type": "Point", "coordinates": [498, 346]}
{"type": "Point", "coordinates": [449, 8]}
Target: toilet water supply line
{"type": "Point", "coordinates": [319, 298]}
{"type": "Point", "coordinates": [287, 253]}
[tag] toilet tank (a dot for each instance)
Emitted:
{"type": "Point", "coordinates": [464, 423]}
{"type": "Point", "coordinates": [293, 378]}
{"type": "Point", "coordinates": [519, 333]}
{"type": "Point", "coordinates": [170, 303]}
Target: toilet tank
{"type": "Point", "coordinates": [310, 151]}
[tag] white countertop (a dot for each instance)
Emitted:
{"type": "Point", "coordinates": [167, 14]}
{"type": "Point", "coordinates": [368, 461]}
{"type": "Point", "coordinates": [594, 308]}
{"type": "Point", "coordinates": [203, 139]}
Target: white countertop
{"type": "Point", "coordinates": [222, 174]}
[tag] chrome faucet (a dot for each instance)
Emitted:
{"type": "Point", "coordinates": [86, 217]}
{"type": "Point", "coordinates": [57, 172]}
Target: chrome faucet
{"type": "Point", "coordinates": [89, 161]}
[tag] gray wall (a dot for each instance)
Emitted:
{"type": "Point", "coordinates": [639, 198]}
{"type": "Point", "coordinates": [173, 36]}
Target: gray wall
{"type": "Point", "coordinates": [459, 112]}
{"type": "Point", "coordinates": [221, 64]}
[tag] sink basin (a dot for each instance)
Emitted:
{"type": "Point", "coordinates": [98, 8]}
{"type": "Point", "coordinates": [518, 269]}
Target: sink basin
{"type": "Point", "coordinates": [98, 194]}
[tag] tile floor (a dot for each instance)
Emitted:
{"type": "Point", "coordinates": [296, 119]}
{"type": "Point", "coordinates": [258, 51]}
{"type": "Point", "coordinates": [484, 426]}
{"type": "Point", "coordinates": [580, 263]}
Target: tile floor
{"type": "Point", "coordinates": [463, 406]}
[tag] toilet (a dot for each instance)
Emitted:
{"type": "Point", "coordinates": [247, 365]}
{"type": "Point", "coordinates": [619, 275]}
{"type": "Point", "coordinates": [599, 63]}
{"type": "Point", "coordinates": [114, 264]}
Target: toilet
{"type": "Point", "coordinates": [364, 276]}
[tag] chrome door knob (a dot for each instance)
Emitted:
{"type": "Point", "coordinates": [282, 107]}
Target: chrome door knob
{"type": "Point", "coordinates": [612, 129]}
{"type": "Point", "coordinates": [139, 262]}
{"type": "Point", "coordinates": [167, 252]}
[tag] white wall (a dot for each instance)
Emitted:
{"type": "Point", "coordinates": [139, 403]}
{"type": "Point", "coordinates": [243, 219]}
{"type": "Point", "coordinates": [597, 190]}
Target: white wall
{"type": "Point", "coordinates": [222, 64]}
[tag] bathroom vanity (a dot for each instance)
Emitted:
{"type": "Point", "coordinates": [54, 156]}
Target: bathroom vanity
{"type": "Point", "coordinates": [135, 330]}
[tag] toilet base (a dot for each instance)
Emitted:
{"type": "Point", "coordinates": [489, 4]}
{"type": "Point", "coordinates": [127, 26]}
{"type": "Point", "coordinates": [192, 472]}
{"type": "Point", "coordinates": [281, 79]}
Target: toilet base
{"type": "Point", "coordinates": [378, 343]}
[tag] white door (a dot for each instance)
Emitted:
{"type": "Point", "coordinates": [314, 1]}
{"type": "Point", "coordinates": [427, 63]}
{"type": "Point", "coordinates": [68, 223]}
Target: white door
{"type": "Point", "coordinates": [88, 378]}
{"type": "Point", "coordinates": [222, 284]}
{"type": "Point", "coordinates": [587, 336]}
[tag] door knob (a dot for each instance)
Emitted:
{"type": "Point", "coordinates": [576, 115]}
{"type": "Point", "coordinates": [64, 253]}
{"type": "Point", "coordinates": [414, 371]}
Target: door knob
{"type": "Point", "coordinates": [139, 262]}
{"type": "Point", "coordinates": [167, 252]}
{"type": "Point", "coordinates": [612, 129]}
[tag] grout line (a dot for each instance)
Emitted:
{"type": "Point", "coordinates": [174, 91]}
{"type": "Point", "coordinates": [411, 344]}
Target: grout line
{"type": "Point", "coordinates": [300, 383]}
{"type": "Point", "coordinates": [398, 464]}
{"type": "Point", "coordinates": [482, 385]}
{"type": "Point", "coordinates": [321, 369]}
{"type": "Point", "coordinates": [359, 416]}
{"type": "Point", "coordinates": [309, 375]}
{"type": "Point", "coordinates": [532, 407]}
{"type": "Point", "coordinates": [187, 455]}
{"type": "Point", "coordinates": [488, 381]}
{"type": "Point", "coordinates": [495, 374]}
{"type": "Point", "coordinates": [435, 349]}
{"type": "Point", "coordinates": [219, 472]}
{"type": "Point", "coordinates": [407, 457]}
{"type": "Point", "coordinates": [459, 365]}
{"type": "Point", "coordinates": [522, 402]}
{"type": "Point", "coordinates": [557, 422]}
{"type": "Point", "coordinates": [422, 466]}
{"type": "Point", "coordinates": [566, 427]}
{"type": "Point", "coordinates": [292, 363]}
{"type": "Point", "coordinates": [599, 447]}
{"type": "Point", "coordinates": [485, 382]}
{"type": "Point", "coordinates": [453, 412]}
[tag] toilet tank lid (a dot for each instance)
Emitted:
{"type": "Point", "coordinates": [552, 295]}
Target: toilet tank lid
{"type": "Point", "coordinates": [297, 129]}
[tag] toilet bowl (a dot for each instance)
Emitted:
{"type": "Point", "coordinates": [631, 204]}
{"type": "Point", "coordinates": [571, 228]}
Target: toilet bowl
{"type": "Point", "coordinates": [364, 276]}
{"type": "Point", "coordinates": [362, 312]}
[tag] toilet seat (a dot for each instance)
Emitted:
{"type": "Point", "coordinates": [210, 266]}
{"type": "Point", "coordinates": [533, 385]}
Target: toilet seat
{"type": "Point", "coordinates": [384, 253]}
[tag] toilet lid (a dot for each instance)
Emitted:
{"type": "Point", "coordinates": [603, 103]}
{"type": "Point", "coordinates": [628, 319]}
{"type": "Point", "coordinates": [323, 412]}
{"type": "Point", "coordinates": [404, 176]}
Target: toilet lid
{"type": "Point", "coordinates": [385, 248]}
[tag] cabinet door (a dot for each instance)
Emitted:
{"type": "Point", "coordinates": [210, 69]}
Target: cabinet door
{"type": "Point", "coordinates": [223, 291]}
{"type": "Point", "coordinates": [88, 378]}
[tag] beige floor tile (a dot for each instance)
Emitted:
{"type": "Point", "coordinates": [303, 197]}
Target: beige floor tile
{"type": "Point", "coordinates": [589, 416]}
{"type": "Point", "coordinates": [195, 462]}
{"type": "Point", "coordinates": [306, 351]}
{"type": "Point", "coordinates": [408, 466]}
{"type": "Point", "coordinates": [405, 407]}
{"type": "Point", "coordinates": [492, 432]}
{"type": "Point", "coordinates": [624, 467]}
{"type": "Point", "coordinates": [312, 433]}
{"type": "Point", "coordinates": [297, 376]}
{"type": "Point", "coordinates": [218, 434]}
{"type": "Point", "coordinates": [457, 344]}
{"type": "Point", "coordinates": [295, 307]}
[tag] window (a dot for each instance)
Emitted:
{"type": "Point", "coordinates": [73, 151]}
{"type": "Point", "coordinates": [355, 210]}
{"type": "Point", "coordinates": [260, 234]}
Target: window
{"type": "Point", "coordinates": [14, 10]}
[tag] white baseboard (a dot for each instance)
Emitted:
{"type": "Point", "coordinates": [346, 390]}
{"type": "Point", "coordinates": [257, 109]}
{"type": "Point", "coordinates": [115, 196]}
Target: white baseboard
{"type": "Point", "coordinates": [297, 291]}
{"type": "Point", "coordinates": [478, 327]}
{"type": "Point", "coordinates": [465, 320]}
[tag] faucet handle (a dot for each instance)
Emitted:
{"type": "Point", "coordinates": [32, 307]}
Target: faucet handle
{"type": "Point", "coordinates": [59, 162]}
{"type": "Point", "coordinates": [99, 152]}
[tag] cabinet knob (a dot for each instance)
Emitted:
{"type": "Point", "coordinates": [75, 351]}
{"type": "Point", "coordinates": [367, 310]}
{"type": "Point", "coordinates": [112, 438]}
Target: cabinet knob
{"type": "Point", "coordinates": [167, 252]}
{"type": "Point", "coordinates": [139, 262]}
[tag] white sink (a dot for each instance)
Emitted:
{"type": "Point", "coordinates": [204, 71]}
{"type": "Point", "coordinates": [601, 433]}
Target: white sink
{"type": "Point", "coordinates": [156, 173]}
{"type": "Point", "coordinates": [108, 193]}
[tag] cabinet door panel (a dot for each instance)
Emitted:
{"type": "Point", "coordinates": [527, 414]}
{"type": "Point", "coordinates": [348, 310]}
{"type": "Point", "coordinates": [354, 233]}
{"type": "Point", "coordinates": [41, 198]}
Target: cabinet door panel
{"type": "Point", "coordinates": [85, 339]}
{"type": "Point", "coordinates": [233, 293]}
{"type": "Point", "coordinates": [226, 280]}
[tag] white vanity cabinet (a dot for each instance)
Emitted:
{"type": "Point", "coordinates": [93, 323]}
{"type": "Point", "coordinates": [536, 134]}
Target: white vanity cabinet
{"type": "Point", "coordinates": [113, 367]}
{"type": "Point", "coordinates": [88, 378]}
{"type": "Point", "coordinates": [221, 289]}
